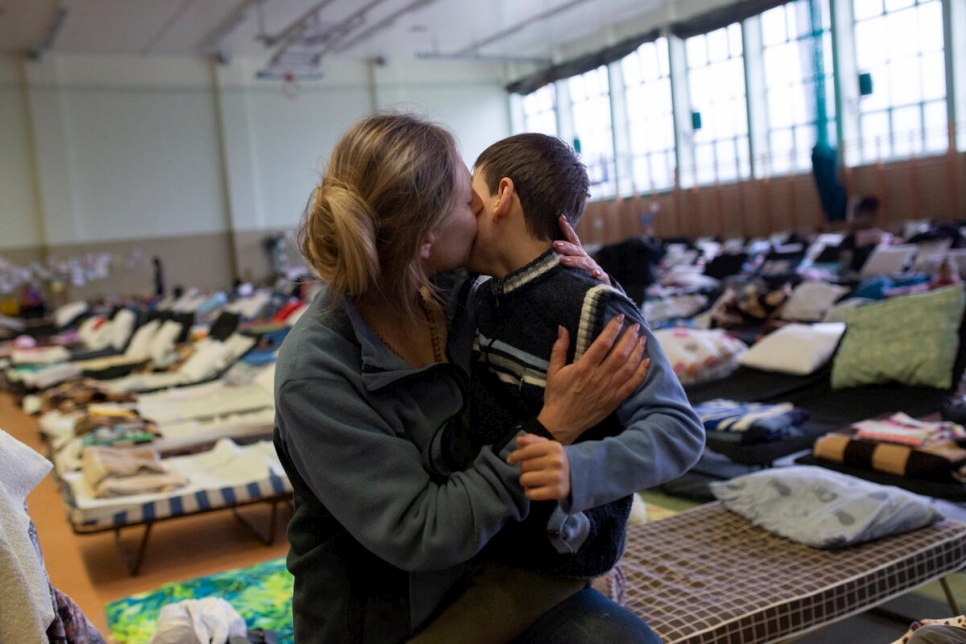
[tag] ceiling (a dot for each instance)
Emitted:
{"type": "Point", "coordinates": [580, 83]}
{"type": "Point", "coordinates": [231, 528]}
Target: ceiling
{"type": "Point", "coordinates": [302, 32]}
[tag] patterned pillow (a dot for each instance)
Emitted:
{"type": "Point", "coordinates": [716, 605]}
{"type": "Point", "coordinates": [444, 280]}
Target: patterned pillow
{"type": "Point", "coordinates": [821, 508]}
{"type": "Point", "coordinates": [700, 355]}
{"type": "Point", "coordinates": [910, 339]}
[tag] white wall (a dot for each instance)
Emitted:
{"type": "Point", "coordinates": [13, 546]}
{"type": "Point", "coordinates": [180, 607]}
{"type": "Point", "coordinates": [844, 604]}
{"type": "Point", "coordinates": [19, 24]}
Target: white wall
{"type": "Point", "coordinates": [139, 148]}
{"type": "Point", "coordinates": [19, 210]}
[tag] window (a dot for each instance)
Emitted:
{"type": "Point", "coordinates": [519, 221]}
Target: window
{"type": "Point", "coordinates": [540, 110]}
{"type": "Point", "coordinates": [900, 44]}
{"type": "Point", "coordinates": [650, 116]}
{"type": "Point", "coordinates": [792, 73]}
{"type": "Point", "coordinates": [716, 83]}
{"type": "Point", "coordinates": [593, 131]}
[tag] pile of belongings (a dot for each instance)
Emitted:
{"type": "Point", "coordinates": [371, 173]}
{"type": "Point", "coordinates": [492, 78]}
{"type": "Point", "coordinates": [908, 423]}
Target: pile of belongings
{"type": "Point", "coordinates": [900, 445]}
{"type": "Point", "coordinates": [750, 423]}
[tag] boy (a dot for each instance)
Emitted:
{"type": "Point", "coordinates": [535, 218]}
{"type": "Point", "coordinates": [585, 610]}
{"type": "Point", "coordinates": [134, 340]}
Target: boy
{"type": "Point", "coordinates": [526, 182]}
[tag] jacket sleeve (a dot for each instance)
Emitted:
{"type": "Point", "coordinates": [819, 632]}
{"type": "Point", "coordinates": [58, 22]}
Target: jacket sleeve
{"type": "Point", "coordinates": [662, 435]}
{"type": "Point", "coordinates": [371, 477]}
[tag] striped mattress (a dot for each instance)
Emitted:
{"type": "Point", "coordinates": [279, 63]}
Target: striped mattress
{"type": "Point", "coordinates": [706, 575]}
{"type": "Point", "coordinates": [226, 476]}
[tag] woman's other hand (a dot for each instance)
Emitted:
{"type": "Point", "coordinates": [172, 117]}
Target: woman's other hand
{"type": "Point", "coordinates": [544, 468]}
{"type": "Point", "coordinates": [574, 254]}
{"type": "Point", "coordinates": [582, 394]}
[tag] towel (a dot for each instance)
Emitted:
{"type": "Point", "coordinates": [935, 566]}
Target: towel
{"type": "Point", "coordinates": [26, 607]}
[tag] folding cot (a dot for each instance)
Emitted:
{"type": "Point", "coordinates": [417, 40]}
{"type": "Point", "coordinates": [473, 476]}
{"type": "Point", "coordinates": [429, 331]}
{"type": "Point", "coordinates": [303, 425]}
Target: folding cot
{"type": "Point", "coordinates": [709, 576]}
{"type": "Point", "coordinates": [189, 418]}
{"type": "Point", "coordinates": [226, 477]}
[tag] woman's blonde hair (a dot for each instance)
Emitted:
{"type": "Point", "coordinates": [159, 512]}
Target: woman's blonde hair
{"type": "Point", "coordinates": [390, 181]}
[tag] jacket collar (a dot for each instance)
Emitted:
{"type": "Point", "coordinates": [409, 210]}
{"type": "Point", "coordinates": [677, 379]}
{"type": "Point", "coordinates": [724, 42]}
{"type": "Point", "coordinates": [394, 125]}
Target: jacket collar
{"type": "Point", "coordinates": [528, 273]}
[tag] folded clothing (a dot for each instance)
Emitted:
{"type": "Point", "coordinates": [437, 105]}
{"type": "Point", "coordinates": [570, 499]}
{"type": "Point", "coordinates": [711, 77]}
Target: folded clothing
{"type": "Point", "coordinates": [906, 430]}
{"type": "Point", "coordinates": [942, 461]}
{"type": "Point", "coordinates": [115, 471]}
{"type": "Point", "coordinates": [754, 422]}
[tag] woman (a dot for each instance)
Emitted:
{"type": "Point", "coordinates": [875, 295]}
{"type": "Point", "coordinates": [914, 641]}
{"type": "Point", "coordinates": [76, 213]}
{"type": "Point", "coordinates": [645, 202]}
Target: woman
{"type": "Point", "coordinates": [376, 368]}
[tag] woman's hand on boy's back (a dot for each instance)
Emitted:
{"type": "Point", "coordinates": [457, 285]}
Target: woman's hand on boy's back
{"type": "Point", "coordinates": [582, 394]}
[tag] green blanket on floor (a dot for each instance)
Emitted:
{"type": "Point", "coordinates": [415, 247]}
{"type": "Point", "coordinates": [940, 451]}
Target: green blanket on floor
{"type": "Point", "coordinates": [262, 595]}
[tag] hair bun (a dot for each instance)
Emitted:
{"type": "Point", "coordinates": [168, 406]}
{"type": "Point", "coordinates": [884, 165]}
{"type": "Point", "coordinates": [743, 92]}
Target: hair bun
{"type": "Point", "coordinates": [343, 242]}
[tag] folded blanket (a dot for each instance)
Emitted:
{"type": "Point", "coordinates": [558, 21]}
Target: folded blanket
{"type": "Point", "coordinates": [112, 471]}
{"type": "Point", "coordinates": [905, 430]}
{"type": "Point", "coordinates": [755, 422]}
{"type": "Point", "coordinates": [941, 461]}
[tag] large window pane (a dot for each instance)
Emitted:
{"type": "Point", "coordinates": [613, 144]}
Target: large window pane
{"type": "Point", "coordinates": [900, 43]}
{"type": "Point", "coordinates": [716, 84]}
{"type": "Point", "coordinates": [590, 106]}
{"type": "Point", "coordinates": [650, 120]}
{"type": "Point", "coordinates": [792, 75]}
{"type": "Point", "coordinates": [540, 110]}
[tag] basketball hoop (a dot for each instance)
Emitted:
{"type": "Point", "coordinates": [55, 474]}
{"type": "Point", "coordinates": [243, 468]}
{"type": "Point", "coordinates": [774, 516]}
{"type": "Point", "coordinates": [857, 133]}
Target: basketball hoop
{"type": "Point", "coordinates": [290, 87]}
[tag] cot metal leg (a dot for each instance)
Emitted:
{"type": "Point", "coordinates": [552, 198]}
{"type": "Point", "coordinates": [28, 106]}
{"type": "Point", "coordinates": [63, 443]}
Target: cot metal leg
{"type": "Point", "coordinates": [266, 537]}
{"type": "Point", "coordinates": [133, 559]}
{"type": "Point", "coordinates": [949, 596]}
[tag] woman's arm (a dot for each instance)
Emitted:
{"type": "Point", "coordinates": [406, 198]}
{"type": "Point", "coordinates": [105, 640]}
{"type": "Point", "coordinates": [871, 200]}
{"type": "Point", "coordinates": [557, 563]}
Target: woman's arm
{"type": "Point", "coordinates": [367, 472]}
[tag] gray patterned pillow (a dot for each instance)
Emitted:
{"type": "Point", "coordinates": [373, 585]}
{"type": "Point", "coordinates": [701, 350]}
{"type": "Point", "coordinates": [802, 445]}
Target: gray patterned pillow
{"type": "Point", "coordinates": [822, 508]}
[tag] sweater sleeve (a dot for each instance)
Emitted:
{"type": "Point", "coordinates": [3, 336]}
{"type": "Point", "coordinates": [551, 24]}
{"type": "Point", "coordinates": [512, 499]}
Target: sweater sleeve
{"type": "Point", "coordinates": [662, 435]}
{"type": "Point", "coordinates": [370, 476]}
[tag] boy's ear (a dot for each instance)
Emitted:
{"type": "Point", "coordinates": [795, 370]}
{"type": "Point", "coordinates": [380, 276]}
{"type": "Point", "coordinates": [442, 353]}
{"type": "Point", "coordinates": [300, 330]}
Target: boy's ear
{"type": "Point", "coordinates": [504, 197]}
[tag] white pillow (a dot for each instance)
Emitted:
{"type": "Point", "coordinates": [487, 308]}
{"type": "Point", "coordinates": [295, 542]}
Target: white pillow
{"type": "Point", "coordinates": [822, 508]}
{"type": "Point", "coordinates": [209, 358]}
{"type": "Point", "coordinates": [886, 260]}
{"type": "Point", "coordinates": [140, 345]}
{"type": "Point", "coordinates": [810, 300]}
{"type": "Point", "coordinates": [239, 344]}
{"type": "Point", "coordinates": [67, 313]}
{"type": "Point", "coordinates": [930, 256]}
{"type": "Point", "coordinates": [266, 379]}
{"type": "Point", "coordinates": [163, 342]}
{"type": "Point", "coordinates": [92, 330]}
{"type": "Point", "coordinates": [121, 326]}
{"type": "Point", "coordinates": [797, 349]}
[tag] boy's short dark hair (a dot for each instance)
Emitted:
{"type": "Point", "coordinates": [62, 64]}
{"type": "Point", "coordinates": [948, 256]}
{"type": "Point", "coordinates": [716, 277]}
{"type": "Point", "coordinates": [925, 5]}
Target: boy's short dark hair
{"type": "Point", "coordinates": [547, 177]}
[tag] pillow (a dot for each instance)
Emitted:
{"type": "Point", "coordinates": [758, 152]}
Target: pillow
{"type": "Point", "coordinates": [840, 311]}
{"type": "Point", "coordinates": [68, 313]}
{"type": "Point", "coordinates": [821, 508]}
{"type": "Point", "coordinates": [909, 339]}
{"type": "Point", "coordinates": [886, 260]}
{"type": "Point", "coordinates": [209, 358]}
{"type": "Point", "coordinates": [798, 349]}
{"type": "Point", "coordinates": [162, 342]}
{"type": "Point", "coordinates": [698, 355]}
{"type": "Point", "coordinates": [140, 344]}
{"type": "Point", "coordinates": [810, 300]}
{"type": "Point", "coordinates": [92, 330]}
{"type": "Point", "coordinates": [122, 324]}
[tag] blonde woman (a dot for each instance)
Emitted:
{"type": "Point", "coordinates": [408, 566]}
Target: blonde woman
{"type": "Point", "coordinates": [376, 369]}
